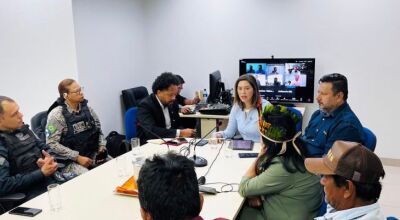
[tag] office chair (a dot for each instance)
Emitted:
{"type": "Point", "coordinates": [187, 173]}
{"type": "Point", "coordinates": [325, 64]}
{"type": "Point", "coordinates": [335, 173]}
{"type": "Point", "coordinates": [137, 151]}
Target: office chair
{"type": "Point", "coordinates": [8, 202]}
{"type": "Point", "coordinates": [299, 124]}
{"type": "Point", "coordinates": [130, 123]}
{"type": "Point", "coordinates": [132, 97]}
{"type": "Point", "coordinates": [370, 139]}
{"type": "Point", "coordinates": [322, 208]}
{"type": "Point", "coordinates": [38, 124]}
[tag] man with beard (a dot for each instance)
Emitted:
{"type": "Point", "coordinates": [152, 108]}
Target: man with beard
{"type": "Point", "coordinates": [334, 120]}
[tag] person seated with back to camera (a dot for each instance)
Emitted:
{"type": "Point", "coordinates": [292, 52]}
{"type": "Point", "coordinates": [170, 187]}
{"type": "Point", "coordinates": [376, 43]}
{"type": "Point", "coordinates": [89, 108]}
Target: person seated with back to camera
{"type": "Point", "coordinates": [168, 189]}
{"type": "Point", "coordinates": [244, 113]}
{"type": "Point", "coordinates": [277, 184]}
{"type": "Point", "coordinates": [73, 128]}
{"type": "Point", "coordinates": [157, 114]}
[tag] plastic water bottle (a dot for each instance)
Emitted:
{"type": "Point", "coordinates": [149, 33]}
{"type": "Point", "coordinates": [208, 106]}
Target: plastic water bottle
{"type": "Point", "coordinates": [205, 95]}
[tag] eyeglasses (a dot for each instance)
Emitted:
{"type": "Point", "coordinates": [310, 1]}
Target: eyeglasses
{"type": "Point", "coordinates": [78, 91]}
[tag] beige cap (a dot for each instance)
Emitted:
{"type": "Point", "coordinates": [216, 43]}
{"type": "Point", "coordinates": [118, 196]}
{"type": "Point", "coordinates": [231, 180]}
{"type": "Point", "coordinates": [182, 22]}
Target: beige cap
{"type": "Point", "coordinates": [350, 160]}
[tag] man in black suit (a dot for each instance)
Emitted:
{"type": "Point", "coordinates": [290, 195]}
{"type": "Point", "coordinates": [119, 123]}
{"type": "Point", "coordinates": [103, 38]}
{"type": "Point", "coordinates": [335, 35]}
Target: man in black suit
{"type": "Point", "coordinates": [156, 113]}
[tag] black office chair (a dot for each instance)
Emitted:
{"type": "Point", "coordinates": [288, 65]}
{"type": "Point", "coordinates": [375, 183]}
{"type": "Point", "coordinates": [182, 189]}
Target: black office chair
{"type": "Point", "coordinates": [38, 124]}
{"type": "Point", "coordinates": [132, 97]}
{"type": "Point", "coordinates": [10, 201]}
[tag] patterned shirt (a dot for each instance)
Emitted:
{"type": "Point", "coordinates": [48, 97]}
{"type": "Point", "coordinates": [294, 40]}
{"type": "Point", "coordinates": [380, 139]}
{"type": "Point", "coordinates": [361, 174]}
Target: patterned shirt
{"type": "Point", "coordinates": [57, 127]}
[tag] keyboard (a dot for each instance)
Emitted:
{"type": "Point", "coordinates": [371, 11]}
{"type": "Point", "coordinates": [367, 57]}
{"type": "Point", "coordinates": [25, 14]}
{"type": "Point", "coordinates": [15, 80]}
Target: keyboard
{"type": "Point", "coordinates": [199, 106]}
{"type": "Point", "coordinates": [216, 109]}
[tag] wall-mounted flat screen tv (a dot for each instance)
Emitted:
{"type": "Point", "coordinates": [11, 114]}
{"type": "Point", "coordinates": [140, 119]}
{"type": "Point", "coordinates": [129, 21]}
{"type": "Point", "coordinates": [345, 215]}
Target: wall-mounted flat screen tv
{"type": "Point", "coordinates": [283, 80]}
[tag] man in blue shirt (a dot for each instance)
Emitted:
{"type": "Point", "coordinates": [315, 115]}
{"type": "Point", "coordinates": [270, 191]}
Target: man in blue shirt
{"type": "Point", "coordinates": [334, 120]}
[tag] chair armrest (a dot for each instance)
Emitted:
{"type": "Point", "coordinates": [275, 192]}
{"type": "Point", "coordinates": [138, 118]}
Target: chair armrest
{"type": "Point", "coordinates": [12, 197]}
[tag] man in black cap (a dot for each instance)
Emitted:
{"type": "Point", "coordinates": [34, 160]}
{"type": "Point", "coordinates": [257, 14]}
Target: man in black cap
{"type": "Point", "coordinates": [350, 176]}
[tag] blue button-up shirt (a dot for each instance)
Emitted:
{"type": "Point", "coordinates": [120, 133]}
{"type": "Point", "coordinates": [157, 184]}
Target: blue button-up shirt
{"type": "Point", "coordinates": [324, 129]}
{"type": "Point", "coordinates": [247, 125]}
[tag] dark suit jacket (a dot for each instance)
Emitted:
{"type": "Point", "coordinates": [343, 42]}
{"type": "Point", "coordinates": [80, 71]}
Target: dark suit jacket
{"type": "Point", "coordinates": [151, 116]}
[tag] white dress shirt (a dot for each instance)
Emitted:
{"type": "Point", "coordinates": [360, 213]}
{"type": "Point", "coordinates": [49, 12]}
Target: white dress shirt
{"type": "Point", "coordinates": [368, 212]}
{"type": "Point", "coordinates": [167, 117]}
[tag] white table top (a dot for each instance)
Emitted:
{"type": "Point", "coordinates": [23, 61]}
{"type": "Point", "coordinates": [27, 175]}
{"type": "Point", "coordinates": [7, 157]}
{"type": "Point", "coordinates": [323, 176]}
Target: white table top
{"type": "Point", "coordinates": [91, 196]}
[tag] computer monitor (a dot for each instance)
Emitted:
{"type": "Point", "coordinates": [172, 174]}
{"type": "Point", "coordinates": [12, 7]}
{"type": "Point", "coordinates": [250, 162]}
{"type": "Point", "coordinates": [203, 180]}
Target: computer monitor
{"type": "Point", "coordinates": [289, 80]}
{"type": "Point", "coordinates": [216, 87]}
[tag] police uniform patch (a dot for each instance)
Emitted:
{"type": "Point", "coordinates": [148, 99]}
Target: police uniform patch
{"type": "Point", "coordinates": [21, 136]}
{"type": "Point", "coordinates": [50, 129]}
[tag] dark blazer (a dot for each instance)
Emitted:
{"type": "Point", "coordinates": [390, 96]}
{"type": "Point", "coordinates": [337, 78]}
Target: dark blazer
{"type": "Point", "coordinates": [150, 116]}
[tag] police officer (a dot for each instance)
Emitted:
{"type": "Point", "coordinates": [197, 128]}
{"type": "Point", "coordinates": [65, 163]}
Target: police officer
{"type": "Point", "coordinates": [73, 128]}
{"type": "Point", "coordinates": [25, 166]}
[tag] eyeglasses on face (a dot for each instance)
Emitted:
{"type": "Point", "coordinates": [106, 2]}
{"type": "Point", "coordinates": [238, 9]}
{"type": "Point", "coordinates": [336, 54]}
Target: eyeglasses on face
{"type": "Point", "coordinates": [77, 91]}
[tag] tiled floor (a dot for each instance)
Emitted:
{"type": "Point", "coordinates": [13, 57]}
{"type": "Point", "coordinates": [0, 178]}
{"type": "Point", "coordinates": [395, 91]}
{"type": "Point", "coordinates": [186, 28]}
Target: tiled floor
{"type": "Point", "coordinates": [390, 196]}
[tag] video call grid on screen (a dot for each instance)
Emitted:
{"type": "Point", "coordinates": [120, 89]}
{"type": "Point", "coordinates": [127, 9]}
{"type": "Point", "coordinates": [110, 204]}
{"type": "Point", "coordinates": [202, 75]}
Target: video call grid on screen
{"type": "Point", "coordinates": [287, 80]}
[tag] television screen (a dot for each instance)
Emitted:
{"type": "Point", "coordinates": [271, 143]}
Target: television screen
{"type": "Point", "coordinates": [282, 80]}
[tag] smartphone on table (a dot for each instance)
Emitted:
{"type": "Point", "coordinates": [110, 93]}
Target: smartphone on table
{"type": "Point", "coordinates": [25, 211]}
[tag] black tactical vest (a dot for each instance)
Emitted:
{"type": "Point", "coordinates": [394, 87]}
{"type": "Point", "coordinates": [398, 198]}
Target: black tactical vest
{"type": "Point", "coordinates": [22, 150]}
{"type": "Point", "coordinates": [82, 134]}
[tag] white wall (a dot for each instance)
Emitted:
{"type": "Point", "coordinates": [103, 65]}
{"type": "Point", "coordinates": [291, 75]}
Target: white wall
{"type": "Point", "coordinates": [121, 44]}
{"type": "Point", "coordinates": [358, 38]}
{"type": "Point", "coordinates": [37, 50]}
{"type": "Point", "coordinates": [126, 43]}
{"type": "Point", "coordinates": [109, 39]}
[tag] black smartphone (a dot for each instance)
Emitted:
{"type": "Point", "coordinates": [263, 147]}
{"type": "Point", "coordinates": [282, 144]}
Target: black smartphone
{"type": "Point", "coordinates": [202, 142]}
{"type": "Point", "coordinates": [101, 157]}
{"type": "Point", "coordinates": [25, 211]}
{"type": "Point", "coordinates": [248, 155]}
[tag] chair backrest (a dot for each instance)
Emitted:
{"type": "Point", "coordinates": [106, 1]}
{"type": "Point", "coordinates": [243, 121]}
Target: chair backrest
{"type": "Point", "coordinates": [132, 97]}
{"type": "Point", "coordinates": [38, 124]}
{"type": "Point", "coordinates": [130, 123]}
{"type": "Point", "coordinates": [322, 208]}
{"type": "Point", "coordinates": [299, 124]}
{"type": "Point", "coordinates": [370, 139]}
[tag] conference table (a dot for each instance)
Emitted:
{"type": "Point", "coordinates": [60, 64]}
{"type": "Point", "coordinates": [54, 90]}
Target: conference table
{"type": "Point", "coordinates": [92, 195]}
{"type": "Point", "coordinates": [208, 122]}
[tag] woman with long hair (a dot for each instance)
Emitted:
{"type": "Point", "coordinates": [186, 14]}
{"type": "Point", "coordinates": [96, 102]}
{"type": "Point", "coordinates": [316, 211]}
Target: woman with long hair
{"type": "Point", "coordinates": [244, 113]}
{"type": "Point", "coordinates": [277, 185]}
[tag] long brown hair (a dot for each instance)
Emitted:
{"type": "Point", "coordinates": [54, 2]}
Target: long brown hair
{"type": "Point", "coordinates": [256, 94]}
